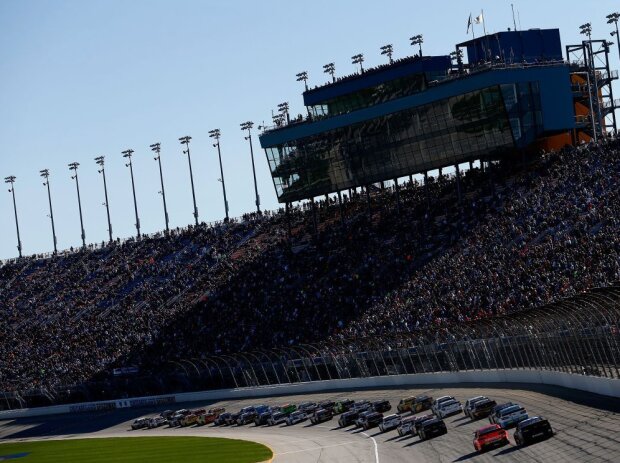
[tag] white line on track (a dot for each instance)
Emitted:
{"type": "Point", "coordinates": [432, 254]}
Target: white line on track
{"type": "Point", "coordinates": [376, 447]}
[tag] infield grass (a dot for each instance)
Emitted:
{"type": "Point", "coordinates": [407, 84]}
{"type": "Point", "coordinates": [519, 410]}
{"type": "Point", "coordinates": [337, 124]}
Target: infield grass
{"type": "Point", "coordinates": [162, 449]}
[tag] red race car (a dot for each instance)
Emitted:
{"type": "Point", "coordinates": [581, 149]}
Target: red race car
{"type": "Point", "coordinates": [490, 436]}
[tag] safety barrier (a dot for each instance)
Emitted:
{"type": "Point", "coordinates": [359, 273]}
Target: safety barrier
{"type": "Point", "coordinates": [498, 378]}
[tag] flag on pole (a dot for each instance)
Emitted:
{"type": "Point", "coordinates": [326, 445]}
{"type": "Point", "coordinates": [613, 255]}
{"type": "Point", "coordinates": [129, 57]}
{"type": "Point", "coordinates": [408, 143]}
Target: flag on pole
{"type": "Point", "coordinates": [479, 19]}
{"type": "Point", "coordinates": [469, 23]}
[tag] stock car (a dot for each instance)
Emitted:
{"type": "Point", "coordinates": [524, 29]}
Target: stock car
{"type": "Point", "coordinates": [175, 419]}
{"type": "Point", "coordinates": [188, 420]}
{"type": "Point", "coordinates": [263, 418]}
{"type": "Point", "coordinates": [166, 414]}
{"type": "Point", "coordinates": [277, 418]}
{"type": "Point", "coordinates": [231, 418]}
{"type": "Point", "coordinates": [381, 406]}
{"type": "Point", "coordinates": [369, 420]}
{"type": "Point", "coordinates": [414, 404]}
{"type": "Point", "coordinates": [469, 404]}
{"type": "Point", "coordinates": [432, 428]}
{"type": "Point", "coordinates": [211, 416]}
{"type": "Point", "coordinates": [495, 410]}
{"type": "Point", "coordinates": [140, 423]}
{"type": "Point", "coordinates": [296, 417]}
{"type": "Point", "coordinates": [321, 416]}
{"type": "Point", "coordinates": [481, 409]}
{"type": "Point", "coordinates": [246, 415]}
{"type": "Point", "coordinates": [288, 408]}
{"type": "Point", "coordinates": [308, 407]}
{"type": "Point", "coordinates": [511, 416]}
{"type": "Point", "coordinates": [533, 429]}
{"type": "Point", "coordinates": [419, 421]}
{"type": "Point", "coordinates": [492, 435]}
{"type": "Point", "coordinates": [437, 402]}
{"type": "Point", "coordinates": [348, 418]}
{"type": "Point", "coordinates": [405, 426]}
{"type": "Point", "coordinates": [343, 406]}
{"type": "Point", "coordinates": [221, 419]}
{"type": "Point", "coordinates": [327, 405]}
{"type": "Point", "coordinates": [361, 418]}
{"type": "Point", "coordinates": [156, 422]}
{"type": "Point", "coordinates": [361, 406]}
{"type": "Point", "coordinates": [448, 408]}
{"type": "Point", "coordinates": [390, 422]}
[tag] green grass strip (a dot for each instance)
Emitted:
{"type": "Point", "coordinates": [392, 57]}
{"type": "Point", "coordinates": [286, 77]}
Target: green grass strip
{"type": "Point", "coordinates": [162, 449]}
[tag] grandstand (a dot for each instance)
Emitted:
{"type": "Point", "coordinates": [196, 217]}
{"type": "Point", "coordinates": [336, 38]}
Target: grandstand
{"type": "Point", "coordinates": [511, 228]}
{"type": "Point", "coordinates": [241, 286]}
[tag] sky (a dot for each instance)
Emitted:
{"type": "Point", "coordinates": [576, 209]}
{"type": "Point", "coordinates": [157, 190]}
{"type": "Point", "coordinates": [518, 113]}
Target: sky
{"type": "Point", "coordinates": [80, 79]}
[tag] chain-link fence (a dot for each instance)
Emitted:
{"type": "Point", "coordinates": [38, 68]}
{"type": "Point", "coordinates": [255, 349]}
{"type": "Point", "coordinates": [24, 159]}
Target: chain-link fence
{"type": "Point", "coordinates": [579, 335]}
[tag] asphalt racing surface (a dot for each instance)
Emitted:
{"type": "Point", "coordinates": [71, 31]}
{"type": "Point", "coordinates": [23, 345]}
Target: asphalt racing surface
{"type": "Point", "coordinates": [587, 429]}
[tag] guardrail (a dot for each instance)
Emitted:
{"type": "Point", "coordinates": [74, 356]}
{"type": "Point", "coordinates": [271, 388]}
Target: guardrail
{"type": "Point", "coordinates": [576, 336]}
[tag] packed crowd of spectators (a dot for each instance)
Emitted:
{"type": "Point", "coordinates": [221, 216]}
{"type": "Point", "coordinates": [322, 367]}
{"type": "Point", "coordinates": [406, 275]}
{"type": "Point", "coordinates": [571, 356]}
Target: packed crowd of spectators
{"type": "Point", "coordinates": [457, 249]}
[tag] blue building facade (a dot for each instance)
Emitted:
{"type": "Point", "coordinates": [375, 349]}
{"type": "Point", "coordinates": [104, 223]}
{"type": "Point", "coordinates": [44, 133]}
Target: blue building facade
{"type": "Point", "coordinates": [413, 116]}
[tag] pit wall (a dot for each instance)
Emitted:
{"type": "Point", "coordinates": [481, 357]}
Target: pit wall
{"type": "Point", "coordinates": [602, 386]}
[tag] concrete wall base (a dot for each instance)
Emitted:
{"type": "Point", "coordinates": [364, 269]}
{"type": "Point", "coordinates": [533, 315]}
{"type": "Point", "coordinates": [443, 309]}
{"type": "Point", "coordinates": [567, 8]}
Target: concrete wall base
{"type": "Point", "coordinates": [603, 386]}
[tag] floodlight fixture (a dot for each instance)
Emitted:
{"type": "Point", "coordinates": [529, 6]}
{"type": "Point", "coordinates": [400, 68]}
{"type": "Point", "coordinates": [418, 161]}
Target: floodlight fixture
{"type": "Point", "coordinates": [330, 68]}
{"type": "Point", "coordinates": [358, 59]}
{"type": "Point", "coordinates": [417, 40]}
{"type": "Point", "coordinates": [388, 50]}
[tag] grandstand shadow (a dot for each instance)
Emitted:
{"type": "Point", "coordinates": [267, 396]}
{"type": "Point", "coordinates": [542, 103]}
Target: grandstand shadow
{"type": "Point", "coordinates": [74, 425]}
{"type": "Point", "coordinates": [389, 232]}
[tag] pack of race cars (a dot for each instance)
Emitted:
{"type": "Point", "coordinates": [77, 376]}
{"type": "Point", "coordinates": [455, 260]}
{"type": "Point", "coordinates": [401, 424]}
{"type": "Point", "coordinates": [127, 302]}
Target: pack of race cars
{"type": "Point", "coordinates": [365, 414]}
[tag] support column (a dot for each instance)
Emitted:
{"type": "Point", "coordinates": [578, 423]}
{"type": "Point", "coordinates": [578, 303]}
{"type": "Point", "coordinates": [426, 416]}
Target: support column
{"type": "Point", "coordinates": [397, 191]}
{"type": "Point", "coordinates": [288, 219]}
{"type": "Point", "coordinates": [340, 207]}
{"type": "Point", "coordinates": [458, 183]}
{"type": "Point", "coordinates": [368, 202]}
{"type": "Point", "coordinates": [428, 199]}
{"type": "Point", "coordinates": [314, 219]}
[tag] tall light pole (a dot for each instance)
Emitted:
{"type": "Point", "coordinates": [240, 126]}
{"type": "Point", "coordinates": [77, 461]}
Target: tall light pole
{"type": "Point", "coordinates": [185, 141]}
{"type": "Point", "coordinates": [215, 134]}
{"type": "Point", "coordinates": [156, 148]}
{"type": "Point", "coordinates": [100, 161]}
{"type": "Point", "coordinates": [303, 77]}
{"type": "Point", "coordinates": [358, 59]}
{"type": "Point", "coordinates": [127, 155]}
{"type": "Point", "coordinates": [388, 50]}
{"type": "Point", "coordinates": [586, 29]}
{"type": "Point", "coordinates": [248, 126]}
{"type": "Point", "coordinates": [283, 109]}
{"type": "Point", "coordinates": [74, 167]}
{"type": "Point", "coordinates": [45, 173]}
{"type": "Point", "coordinates": [330, 68]}
{"type": "Point", "coordinates": [613, 19]}
{"type": "Point", "coordinates": [417, 40]}
{"type": "Point", "coordinates": [11, 180]}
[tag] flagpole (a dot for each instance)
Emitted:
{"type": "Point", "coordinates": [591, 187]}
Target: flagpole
{"type": "Point", "coordinates": [484, 27]}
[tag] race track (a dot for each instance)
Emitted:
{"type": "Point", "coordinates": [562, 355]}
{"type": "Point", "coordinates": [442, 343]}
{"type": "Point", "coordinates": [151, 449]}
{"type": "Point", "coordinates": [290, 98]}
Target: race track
{"type": "Point", "coordinates": [587, 429]}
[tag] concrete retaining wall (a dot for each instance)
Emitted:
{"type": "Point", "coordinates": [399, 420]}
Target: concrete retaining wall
{"type": "Point", "coordinates": [602, 386]}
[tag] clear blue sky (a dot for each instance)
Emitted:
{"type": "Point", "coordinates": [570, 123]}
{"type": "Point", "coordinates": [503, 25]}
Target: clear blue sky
{"type": "Point", "coordinates": [81, 78]}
